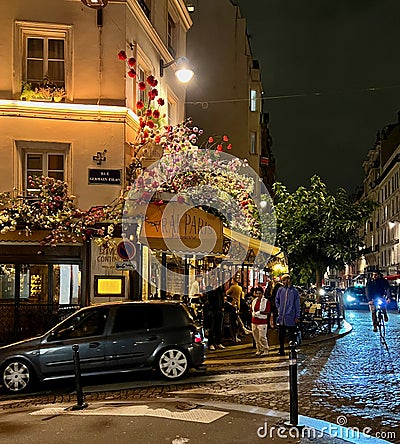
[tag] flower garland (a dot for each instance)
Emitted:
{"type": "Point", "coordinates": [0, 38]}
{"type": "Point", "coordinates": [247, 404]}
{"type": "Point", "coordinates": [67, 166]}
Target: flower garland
{"type": "Point", "coordinates": [187, 163]}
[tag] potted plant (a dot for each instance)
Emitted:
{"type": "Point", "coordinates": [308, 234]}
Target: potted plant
{"type": "Point", "coordinates": [45, 91]}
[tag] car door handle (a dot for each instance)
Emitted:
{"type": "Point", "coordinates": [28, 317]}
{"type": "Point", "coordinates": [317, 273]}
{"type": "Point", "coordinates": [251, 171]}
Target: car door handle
{"type": "Point", "coordinates": [152, 338]}
{"type": "Point", "coordinates": [94, 344]}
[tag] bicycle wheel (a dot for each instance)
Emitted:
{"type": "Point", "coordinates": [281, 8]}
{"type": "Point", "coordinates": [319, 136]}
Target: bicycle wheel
{"type": "Point", "coordinates": [381, 325]}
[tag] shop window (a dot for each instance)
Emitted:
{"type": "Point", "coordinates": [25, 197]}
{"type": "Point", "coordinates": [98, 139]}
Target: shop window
{"type": "Point", "coordinates": [46, 51]}
{"type": "Point", "coordinates": [35, 280]}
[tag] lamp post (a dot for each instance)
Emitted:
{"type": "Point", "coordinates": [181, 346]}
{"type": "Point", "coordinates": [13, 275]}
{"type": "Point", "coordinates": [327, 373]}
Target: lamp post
{"type": "Point", "coordinates": [184, 72]}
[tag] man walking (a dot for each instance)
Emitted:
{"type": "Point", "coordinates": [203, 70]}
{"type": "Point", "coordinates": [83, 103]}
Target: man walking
{"type": "Point", "coordinates": [288, 304]}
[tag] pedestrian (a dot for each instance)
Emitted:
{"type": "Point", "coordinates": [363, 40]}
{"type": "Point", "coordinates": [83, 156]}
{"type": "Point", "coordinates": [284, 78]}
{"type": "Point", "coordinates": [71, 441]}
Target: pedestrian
{"type": "Point", "coordinates": [288, 304]}
{"type": "Point", "coordinates": [270, 294]}
{"type": "Point", "coordinates": [235, 291]}
{"type": "Point", "coordinates": [195, 287]}
{"type": "Point", "coordinates": [260, 308]}
{"type": "Point", "coordinates": [215, 315]}
{"type": "Point", "coordinates": [377, 289]}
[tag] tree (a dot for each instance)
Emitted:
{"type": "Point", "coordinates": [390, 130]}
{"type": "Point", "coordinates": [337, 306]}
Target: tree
{"type": "Point", "coordinates": [317, 229]}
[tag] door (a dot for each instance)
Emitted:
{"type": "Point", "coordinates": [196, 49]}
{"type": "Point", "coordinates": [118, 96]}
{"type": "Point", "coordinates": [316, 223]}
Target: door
{"type": "Point", "coordinates": [85, 329]}
{"type": "Point", "coordinates": [131, 342]}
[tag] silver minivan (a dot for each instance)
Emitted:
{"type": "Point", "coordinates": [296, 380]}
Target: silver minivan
{"type": "Point", "coordinates": [112, 338]}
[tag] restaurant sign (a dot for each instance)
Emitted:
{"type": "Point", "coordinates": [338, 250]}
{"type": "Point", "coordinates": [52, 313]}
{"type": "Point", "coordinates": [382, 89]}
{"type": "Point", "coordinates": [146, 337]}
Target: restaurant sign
{"type": "Point", "coordinates": [178, 227]}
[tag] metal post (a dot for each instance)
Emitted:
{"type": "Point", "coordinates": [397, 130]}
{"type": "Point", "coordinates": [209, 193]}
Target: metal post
{"type": "Point", "coordinates": [329, 318]}
{"type": "Point", "coordinates": [294, 408]}
{"type": "Point", "coordinates": [78, 387]}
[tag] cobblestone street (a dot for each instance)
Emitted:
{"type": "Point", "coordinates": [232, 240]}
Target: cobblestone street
{"type": "Point", "coordinates": [353, 381]}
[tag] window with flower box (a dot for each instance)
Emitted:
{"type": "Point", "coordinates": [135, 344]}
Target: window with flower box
{"type": "Point", "coordinates": [42, 51]}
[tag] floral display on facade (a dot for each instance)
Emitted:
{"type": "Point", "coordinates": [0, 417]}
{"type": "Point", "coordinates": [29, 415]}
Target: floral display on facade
{"type": "Point", "coordinates": [192, 167]}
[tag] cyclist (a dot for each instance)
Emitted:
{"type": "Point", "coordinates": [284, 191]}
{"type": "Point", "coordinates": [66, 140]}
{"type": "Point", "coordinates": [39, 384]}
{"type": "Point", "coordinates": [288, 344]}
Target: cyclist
{"type": "Point", "coordinates": [377, 289]}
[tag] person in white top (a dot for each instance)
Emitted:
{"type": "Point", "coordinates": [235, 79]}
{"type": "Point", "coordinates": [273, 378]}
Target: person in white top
{"type": "Point", "coordinates": [195, 287]}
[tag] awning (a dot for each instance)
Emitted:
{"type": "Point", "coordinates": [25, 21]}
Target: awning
{"type": "Point", "coordinates": [251, 245]}
{"type": "Point", "coordinates": [176, 227]}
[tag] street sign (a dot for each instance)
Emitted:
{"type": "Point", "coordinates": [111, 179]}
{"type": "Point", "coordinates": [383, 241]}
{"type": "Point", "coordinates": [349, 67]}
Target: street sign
{"type": "Point", "coordinates": [126, 250]}
{"type": "Point", "coordinates": [125, 265]}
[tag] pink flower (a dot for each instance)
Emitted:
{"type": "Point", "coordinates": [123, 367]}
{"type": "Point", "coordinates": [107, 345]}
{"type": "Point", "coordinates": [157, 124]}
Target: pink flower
{"type": "Point", "coordinates": [148, 112]}
{"type": "Point", "coordinates": [156, 114]}
{"type": "Point", "coordinates": [141, 86]}
{"type": "Point", "coordinates": [229, 146]}
{"type": "Point", "coordinates": [122, 55]}
{"type": "Point", "coordinates": [180, 199]}
{"type": "Point", "coordinates": [157, 139]}
{"type": "Point", "coordinates": [150, 124]}
{"type": "Point", "coordinates": [139, 105]}
{"type": "Point", "coordinates": [210, 140]}
{"type": "Point", "coordinates": [132, 62]}
{"type": "Point", "coordinates": [219, 147]}
{"type": "Point", "coordinates": [160, 101]}
{"type": "Point", "coordinates": [225, 138]}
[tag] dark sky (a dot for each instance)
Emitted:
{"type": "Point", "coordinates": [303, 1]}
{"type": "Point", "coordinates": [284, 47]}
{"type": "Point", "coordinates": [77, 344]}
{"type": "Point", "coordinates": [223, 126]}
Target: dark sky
{"type": "Point", "coordinates": [340, 49]}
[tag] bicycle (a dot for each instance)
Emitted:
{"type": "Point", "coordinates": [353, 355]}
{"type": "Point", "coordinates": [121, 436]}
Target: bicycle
{"type": "Point", "coordinates": [380, 319]}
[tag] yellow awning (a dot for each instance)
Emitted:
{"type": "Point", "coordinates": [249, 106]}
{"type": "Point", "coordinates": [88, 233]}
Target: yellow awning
{"type": "Point", "coordinates": [257, 245]}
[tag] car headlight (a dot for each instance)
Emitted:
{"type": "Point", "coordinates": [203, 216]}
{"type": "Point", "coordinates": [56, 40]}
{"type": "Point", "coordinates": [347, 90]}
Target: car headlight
{"type": "Point", "coordinates": [350, 298]}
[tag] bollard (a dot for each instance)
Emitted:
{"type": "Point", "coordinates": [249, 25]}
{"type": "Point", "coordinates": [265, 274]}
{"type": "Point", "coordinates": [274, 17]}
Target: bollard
{"type": "Point", "coordinates": [294, 407]}
{"type": "Point", "coordinates": [78, 386]}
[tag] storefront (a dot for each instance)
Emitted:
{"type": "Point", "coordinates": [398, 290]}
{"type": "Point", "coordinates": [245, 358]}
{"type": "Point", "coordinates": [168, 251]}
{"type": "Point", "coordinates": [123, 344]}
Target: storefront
{"type": "Point", "coordinates": [39, 285]}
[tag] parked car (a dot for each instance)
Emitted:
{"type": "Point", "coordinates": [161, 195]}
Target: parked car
{"type": "Point", "coordinates": [112, 338]}
{"type": "Point", "coordinates": [355, 297]}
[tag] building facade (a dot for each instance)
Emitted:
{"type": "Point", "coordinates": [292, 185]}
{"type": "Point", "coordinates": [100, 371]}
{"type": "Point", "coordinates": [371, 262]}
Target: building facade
{"type": "Point", "coordinates": [68, 111]}
{"type": "Point", "coordinates": [226, 94]}
{"type": "Point", "coordinates": [382, 184]}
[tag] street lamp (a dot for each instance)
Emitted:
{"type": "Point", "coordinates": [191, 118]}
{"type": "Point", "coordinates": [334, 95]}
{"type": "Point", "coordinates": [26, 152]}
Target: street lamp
{"type": "Point", "coordinates": [184, 72]}
{"type": "Point", "coordinates": [95, 4]}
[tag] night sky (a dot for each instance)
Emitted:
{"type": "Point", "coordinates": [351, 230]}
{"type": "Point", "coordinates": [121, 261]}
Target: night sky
{"type": "Point", "coordinates": [328, 54]}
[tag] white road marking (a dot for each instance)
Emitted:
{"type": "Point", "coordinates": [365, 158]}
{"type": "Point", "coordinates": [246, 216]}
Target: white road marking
{"type": "Point", "coordinates": [200, 415]}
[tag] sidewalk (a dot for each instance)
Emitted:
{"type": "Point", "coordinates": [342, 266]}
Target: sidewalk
{"type": "Point", "coordinates": [244, 351]}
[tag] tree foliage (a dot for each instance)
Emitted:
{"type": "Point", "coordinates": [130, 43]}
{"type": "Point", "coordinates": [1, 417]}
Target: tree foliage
{"type": "Point", "coordinates": [317, 229]}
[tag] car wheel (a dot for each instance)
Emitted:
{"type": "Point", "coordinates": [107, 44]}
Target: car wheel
{"type": "Point", "coordinates": [172, 363]}
{"type": "Point", "coordinates": [17, 376]}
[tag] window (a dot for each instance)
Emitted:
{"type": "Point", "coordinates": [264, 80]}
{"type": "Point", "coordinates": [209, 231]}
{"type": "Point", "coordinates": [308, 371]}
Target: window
{"type": "Point", "coordinates": [42, 50]}
{"type": "Point", "coordinates": [87, 323]}
{"type": "Point", "coordinates": [141, 77]}
{"type": "Point", "coordinates": [47, 159]}
{"type": "Point", "coordinates": [129, 318]}
{"type": "Point", "coordinates": [44, 164]}
{"type": "Point", "coordinates": [253, 100]}
{"type": "Point", "coordinates": [253, 142]}
{"type": "Point", "coordinates": [171, 36]}
{"type": "Point", "coordinates": [44, 59]}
